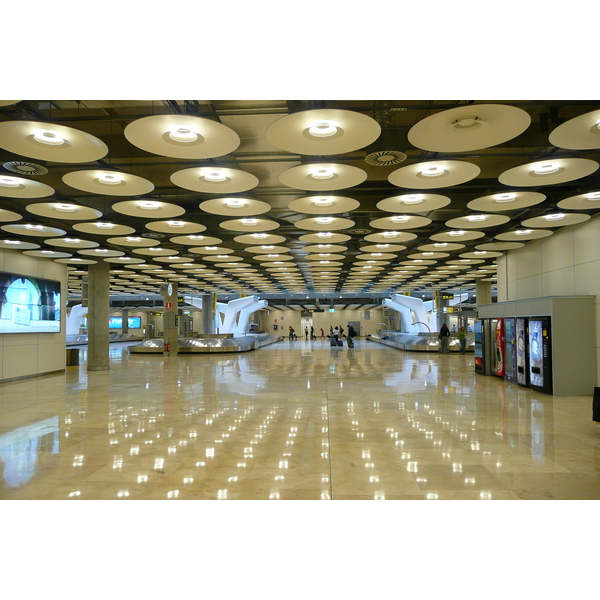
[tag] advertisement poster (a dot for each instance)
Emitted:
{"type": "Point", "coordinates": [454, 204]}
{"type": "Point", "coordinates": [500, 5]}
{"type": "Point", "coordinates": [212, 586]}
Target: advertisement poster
{"type": "Point", "coordinates": [536, 357]}
{"type": "Point", "coordinates": [29, 304]}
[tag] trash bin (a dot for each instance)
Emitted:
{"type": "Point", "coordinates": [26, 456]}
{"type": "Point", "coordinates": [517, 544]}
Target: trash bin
{"type": "Point", "coordinates": [72, 356]}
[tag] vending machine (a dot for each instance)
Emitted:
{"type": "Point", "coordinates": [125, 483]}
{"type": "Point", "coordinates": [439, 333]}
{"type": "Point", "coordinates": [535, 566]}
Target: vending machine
{"type": "Point", "coordinates": [522, 334]}
{"type": "Point", "coordinates": [510, 354]}
{"type": "Point", "coordinates": [479, 351]}
{"type": "Point", "coordinates": [540, 354]}
{"type": "Point", "coordinates": [499, 349]}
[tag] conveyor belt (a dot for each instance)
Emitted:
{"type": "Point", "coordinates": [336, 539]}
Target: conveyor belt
{"type": "Point", "coordinates": [418, 342]}
{"type": "Point", "coordinates": [206, 345]}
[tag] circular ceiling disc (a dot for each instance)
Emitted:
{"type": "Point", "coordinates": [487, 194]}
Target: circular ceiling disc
{"type": "Point", "coordinates": [155, 251]}
{"type": "Point", "coordinates": [440, 247]}
{"type": "Point", "coordinates": [410, 222]}
{"type": "Point", "coordinates": [217, 180]}
{"type": "Point", "coordinates": [109, 183]}
{"type": "Point", "coordinates": [504, 201]}
{"type": "Point", "coordinates": [325, 248]}
{"type": "Point", "coordinates": [175, 227]}
{"type": "Point", "coordinates": [17, 187]}
{"type": "Point", "coordinates": [17, 245]}
{"type": "Point", "coordinates": [47, 254]}
{"type": "Point", "coordinates": [323, 132]}
{"type": "Point", "coordinates": [429, 255]}
{"type": "Point", "coordinates": [324, 256]}
{"type": "Point", "coordinates": [479, 223]}
{"type": "Point", "coordinates": [453, 236]}
{"type": "Point", "coordinates": [34, 230]}
{"type": "Point", "coordinates": [438, 174]}
{"type": "Point", "coordinates": [319, 238]}
{"type": "Point", "coordinates": [481, 254]}
{"type": "Point", "coordinates": [527, 234]}
{"type": "Point", "coordinates": [125, 260]}
{"type": "Point", "coordinates": [103, 228]}
{"type": "Point", "coordinates": [205, 138]}
{"type": "Point", "coordinates": [413, 203]}
{"type": "Point", "coordinates": [63, 210]}
{"type": "Point", "coordinates": [229, 207]}
{"type": "Point", "coordinates": [500, 246]}
{"type": "Point", "coordinates": [259, 238]}
{"type": "Point", "coordinates": [549, 172]}
{"type": "Point", "coordinates": [101, 253]}
{"type": "Point", "coordinates": [579, 133]}
{"type": "Point", "coordinates": [556, 220]}
{"type": "Point", "coordinates": [313, 224]}
{"type": "Point", "coordinates": [133, 242]}
{"type": "Point", "coordinates": [148, 209]}
{"type": "Point", "coordinates": [249, 225]}
{"type": "Point", "coordinates": [59, 143]}
{"type": "Point", "coordinates": [321, 177]}
{"type": "Point", "coordinates": [228, 259]}
{"type": "Point", "coordinates": [195, 240]}
{"type": "Point", "coordinates": [270, 250]}
{"type": "Point", "coordinates": [468, 128]}
{"type": "Point", "coordinates": [323, 205]}
{"type": "Point", "coordinates": [76, 261]}
{"type": "Point", "coordinates": [390, 237]}
{"type": "Point", "coordinates": [588, 201]}
{"type": "Point", "coordinates": [72, 243]}
{"type": "Point", "coordinates": [8, 215]}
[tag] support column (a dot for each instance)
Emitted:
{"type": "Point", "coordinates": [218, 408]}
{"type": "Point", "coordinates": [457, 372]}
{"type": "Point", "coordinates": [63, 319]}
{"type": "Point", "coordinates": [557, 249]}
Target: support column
{"type": "Point", "coordinates": [208, 315]}
{"type": "Point", "coordinates": [483, 292]}
{"type": "Point", "coordinates": [98, 314]}
{"type": "Point", "coordinates": [124, 320]}
{"type": "Point", "coordinates": [171, 318]}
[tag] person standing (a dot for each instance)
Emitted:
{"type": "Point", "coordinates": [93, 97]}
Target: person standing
{"type": "Point", "coordinates": [444, 337]}
{"type": "Point", "coordinates": [336, 333]}
{"type": "Point", "coordinates": [462, 338]}
{"type": "Point", "coordinates": [351, 331]}
{"type": "Point", "coordinates": [291, 333]}
{"type": "Point", "coordinates": [306, 333]}
{"type": "Point", "coordinates": [312, 333]}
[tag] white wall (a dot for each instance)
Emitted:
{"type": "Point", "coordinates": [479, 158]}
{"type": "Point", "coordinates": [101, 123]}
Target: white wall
{"type": "Point", "coordinates": [565, 264]}
{"type": "Point", "coordinates": [26, 354]}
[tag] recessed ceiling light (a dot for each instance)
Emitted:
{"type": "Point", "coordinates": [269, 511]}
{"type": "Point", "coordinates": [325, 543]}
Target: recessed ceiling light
{"type": "Point", "coordinates": [411, 199]}
{"type": "Point", "coordinates": [105, 225]}
{"type": "Point", "coordinates": [10, 182]}
{"type": "Point", "coordinates": [215, 176]}
{"type": "Point", "coordinates": [505, 197]}
{"type": "Point", "coordinates": [50, 138]}
{"type": "Point", "coordinates": [148, 205]}
{"type": "Point", "coordinates": [15, 242]}
{"type": "Point", "coordinates": [554, 217]}
{"type": "Point", "coordinates": [323, 128]}
{"type": "Point", "coordinates": [389, 234]}
{"type": "Point", "coordinates": [456, 233]}
{"type": "Point", "coordinates": [34, 227]}
{"type": "Point", "coordinates": [109, 179]}
{"type": "Point", "coordinates": [196, 237]}
{"type": "Point", "coordinates": [183, 134]}
{"type": "Point", "coordinates": [324, 220]}
{"type": "Point", "coordinates": [523, 231]}
{"type": "Point", "coordinates": [474, 218]}
{"type": "Point", "coordinates": [593, 196]}
{"type": "Point", "coordinates": [480, 252]}
{"type": "Point", "coordinates": [324, 234]}
{"type": "Point", "coordinates": [322, 173]}
{"type": "Point", "coordinates": [441, 244]}
{"type": "Point", "coordinates": [133, 239]}
{"type": "Point", "coordinates": [399, 218]}
{"type": "Point", "coordinates": [66, 207]}
{"type": "Point", "coordinates": [249, 221]}
{"type": "Point", "coordinates": [235, 203]}
{"type": "Point", "coordinates": [323, 201]}
{"type": "Point", "coordinates": [546, 168]}
{"type": "Point", "coordinates": [259, 236]}
{"type": "Point", "coordinates": [433, 171]}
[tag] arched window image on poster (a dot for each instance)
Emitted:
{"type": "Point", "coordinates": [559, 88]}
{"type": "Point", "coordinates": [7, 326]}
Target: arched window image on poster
{"type": "Point", "coordinates": [29, 304]}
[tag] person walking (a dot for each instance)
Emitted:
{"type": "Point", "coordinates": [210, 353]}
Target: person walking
{"type": "Point", "coordinates": [291, 333]}
{"type": "Point", "coordinates": [351, 331]}
{"type": "Point", "coordinates": [462, 338]}
{"type": "Point", "coordinates": [444, 337]}
{"type": "Point", "coordinates": [312, 333]}
{"type": "Point", "coordinates": [322, 334]}
{"type": "Point", "coordinates": [306, 333]}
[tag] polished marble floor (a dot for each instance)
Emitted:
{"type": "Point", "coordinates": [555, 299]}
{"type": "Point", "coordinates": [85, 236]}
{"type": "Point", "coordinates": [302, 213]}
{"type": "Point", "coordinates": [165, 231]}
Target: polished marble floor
{"type": "Point", "coordinates": [294, 420]}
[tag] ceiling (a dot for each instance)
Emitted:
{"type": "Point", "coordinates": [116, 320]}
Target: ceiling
{"type": "Point", "coordinates": [269, 141]}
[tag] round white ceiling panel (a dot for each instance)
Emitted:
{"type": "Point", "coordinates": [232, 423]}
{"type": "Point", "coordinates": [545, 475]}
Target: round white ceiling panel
{"type": "Point", "coordinates": [323, 132]}
{"type": "Point", "coordinates": [33, 230]}
{"type": "Point", "coordinates": [63, 210]}
{"type": "Point", "coordinates": [523, 234]}
{"type": "Point", "coordinates": [434, 174]}
{"type": "Point", "coordinates": [133, 241]}
{"type": "Point", "coordinates": [400, 222]}
{"type": "Point", "coordinates": [468, 128]}
{"type": "Point", "coordinates": [18, 187]}
{"type": "Point", "coordinates": [101, 253]}
{"type": "Point", "coordinates": [175, 227]}
{"type": "Point", "coordinates": [324, 237]}
{"type": "Point", "coordinates": [148, 209]}
{"type": "Point", "coordinates": [249, 225]}
{"type": "Point", "coordinates": [8, 215]}
{"type": "Point", "coordinates": [235, 207]}
{"type": "Point", "coordinates": [500, 246]}
{"type": "Point", "coordinates": [548, 172]}
{"type": "Point", "coordinates": [477, 221]}
{"type": "Point", "coordinates": [259, 238]}
{"type": "Point", "coordinates": [324, 223]}
{"type": "Point", "coordinates": [556, 219]}
{"type": "Point", "coordinates": [17, 245]}
{"type": "Point", "coordinates": [390, 237]}
{"type": "Point", "coordinates": [440, 247]}
{"type": "Point", "coordinates": [182, 136]}
{"type": "Point", "coordinates": [323, 205]}
{"type": "Point", "coordinates": [196, 240]}
{"type": "Point", "coordinates": [579, 133]}
{"type": "Point", "coordinates": [103, 228]}
{"type": "Point", "coordinates": [458, 234]}
{"type": "Point", "coordinates": [155, 251]}
{"type": "Point", "coordinates": [47, 254]}
{"type": "Point", "coordinates": [321, 177]}
{"type": "Point", "coordinates": [509, 200]}
{"type": "Point", "coordinates": [51, 142]}
{"type": "Point", "coordinates": [109, 183]}
{"type": "Point", "coordinates": [68, 242]}
{"type": "Point", "coordinates": [588, 201]}
{"type": "Point", "coordinates": [217, 180]}
{"type": "Point", "coordinates": [413, 203]}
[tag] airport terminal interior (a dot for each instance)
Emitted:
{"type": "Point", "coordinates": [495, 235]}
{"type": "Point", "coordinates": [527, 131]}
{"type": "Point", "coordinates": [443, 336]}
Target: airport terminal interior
{"type": "Point", "coordinates": [157, 254]}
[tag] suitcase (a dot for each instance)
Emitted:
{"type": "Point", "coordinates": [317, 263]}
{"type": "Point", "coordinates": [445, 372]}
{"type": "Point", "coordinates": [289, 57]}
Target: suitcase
{"type": "Point", "coordinates": [332, 342]}
{"type": "Point", "coordinates": [350, 343]}
{"type": "Point", "coordinates": [340, 343]}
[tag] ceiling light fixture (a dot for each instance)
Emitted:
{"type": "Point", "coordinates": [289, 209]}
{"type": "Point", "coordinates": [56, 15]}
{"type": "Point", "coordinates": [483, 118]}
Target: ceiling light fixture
{"type": "Point", "coordinates": [441, 244]}
{"type": "Point", "coordinates": [399, 219]}
{"type": "Point", "coordinates": [554, 217]}
{"type": "Point", "coordinates": [505, 197]}
{"type": "Point", "coordinates": [593, 196]}
{"type": "Point", "coordinates": [324, 220]}
{"type": "Point", "coordinates": [105, 225]}
{"type": "Point", "coordinates": [66, 207]}
{"type": "Point", "coordinates": [323, 202]}
{"type": "Point", "coordinates": [323, 129]}
{"type": "Point", "coordinates": [235, 203]}
{"type": "Point", "coordinates": [249, 221]}
{"type": "Point", "coordinates": [16, 242]}
{"type": "Point", "coordinates": [259, 236]}
{"type": "Point", "coordinates": [389, 234]}
{"type": "Point", "coordinates": [322, 173]}
{"type": "Point", "coordinates": [411, 199]}
{"type": "Point", "coordinates": [324, 234]}
{"type": "Point", "coordinates": [183, 134]}
{"type": "Point", "coordinates": [109, 179]}
{"type": "Point", "coordinates": [147, 205]}
{"type": "Point", "coordinates": [215, 176]}
{"type": "Point", "coordinates": [547, 168]}
{"type": "Point", "coordinates": [175, 223]}
{"type": "Point", "coordinates": [196, 237]}
{"type": "Point", "coordinates": [9, 182]}
{"type": "Point", "coordinates": [34, 227]}
{"type": "Point", "coordinates": [433, 171]}
{"type": "Point", "coordinates": [523, 232]}
{"type": "Point", "coordinates": [456, 233]}
{"type": "Point", "coordinates": [50, 138]}
{"type": "Point", "coordinates": [474, 218]}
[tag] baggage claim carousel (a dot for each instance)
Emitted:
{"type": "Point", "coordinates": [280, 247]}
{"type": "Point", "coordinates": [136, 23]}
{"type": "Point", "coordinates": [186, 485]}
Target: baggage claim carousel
{"type": "Point", "coordinates": [208, 344]}
{"type": "Point", "coordinates": [418, 342]}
